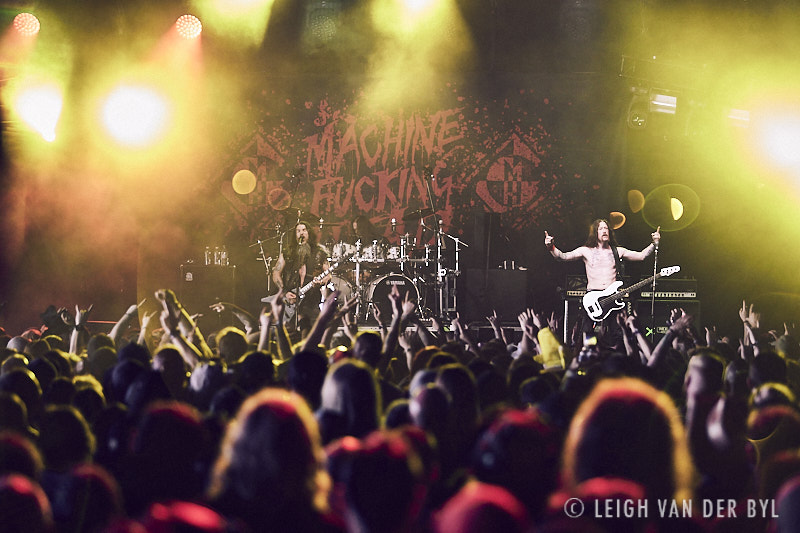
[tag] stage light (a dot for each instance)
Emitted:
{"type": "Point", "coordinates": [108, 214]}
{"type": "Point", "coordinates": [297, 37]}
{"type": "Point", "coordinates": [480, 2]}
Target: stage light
{"type": "Point", "coordinates": [662, 102]}
{"type": "Point", "coordinates": [415, 6]}
{"type": "Point", "coordinates": [189, 26]}
{"type": "Point", "coordinates": [676, 207]}
{"type": "Point", "coordinates": [135, 116]}
{"type": "Point", "coordinates": [27, 24]}
{"type": "Point", "coordinates": [638, 112]}
{"type": "Point", "coordinates": [635, 200]}
{"type": "Point", "coordinates": [780, 140]}
{"type": "Point", "coordinates": [617, 219]}
{"type": "Point", "coordinates": [244, 182]}
{"type": "Point", "coordinates": [40, 108]}
{"type": "Point", "coordinates": [673, 207]}
{"type": "Point", "coordinates": [739, 118]}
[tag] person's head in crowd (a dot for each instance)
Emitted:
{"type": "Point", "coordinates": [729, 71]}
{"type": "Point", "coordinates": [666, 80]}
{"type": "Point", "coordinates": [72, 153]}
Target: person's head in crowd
{"type": "Point", "coordinates": [24, 506]}
{"type": "Point", "coordinates": [536, 389]}
{"type": "Point", "coordinates": [44, 371]}
{"type": "Point", "coordinates": [482, 508]}
{"type": "Point", "coordinates": [61, 361]}
{"type": "Point", "coordinates": [99, 340]}
{"type": "Point", "coordinates": [136, 352]}
{"type": "Point", "coordinates": [384, 485]}
{"type": "Point", "coordinates": [519, 451]}
{"type": "Point", "coordinates": [787, 503]}
{"type": "Point", "coordinates": [65, 438]}
{"type": "Point", "coordinates": [627, 429]}
{"type": "Point", "coordinates": [119, 377]}
{"type": "Point", "coordinates": [38, 348]}
{"type": "Point", "coordinates": [305, 374]}
{"type": "Point", "coordinates": [24, 384]}
{"type": "Point", "coordinates": [19, 455]}
{"type": "Point", "coordinates": [397, 414]}
{"type": "Point", "coordinates": [421, 358]}
{"type": "Point", "coordinates": [90, 402]}
{"type": "Point", "coordinates": [459, 384]}
{"type": "Point", "coordinates": [421, 379]}
{"type": "Point", "coordinates": [254, 371]}
{"type": "Point", "coordinates": [14, 415]}
{"type": "Point", "coordinates": [87, 500]}
{"type": "Point", "coordinates": [184, 517]}
{"type": "Point", "coordinates": [772, 394]}
{"type": "Point", "coordinates": [111, 428]}
{"type": "Point", "coordinates": [351, 391]}
{"type": "Point", "coordinates": [18, 344]}
{"type": "Point", "coordinates": [773, 429]}
{"type": "Point", "coordinates": [99, 361]}
{"type": "Point", "coordinates": [61, 391]}
{"type": "Point", "coordinates": [704, 373]}
{"type": "Point", "coordinates": [166, 449]}
{"type": "Point", "coordinates": [429, 407]}
{"type": "Point", "coordinates": [367, 348]}
{"type": "Point", "coordinates": [521, 369]}
{"type": "Point", "coordinates": [226, 402]}
{"type": "Point", "coordinates": [269, 471]}
{"type": "Point", "coordinates": [146, 388]}
{"type": "Point", "coordinates": [231, 344]}
{"type": "Point", "coordinates": [169, 361]}
{"type": "Point", "coordinates": [441, 358]}
{"type": "Point", "coordinates": [12, 362]}
{"type": "Point", "coordinates": [206, 379]}
{"type": "Point", "coordinates": [767, 367]}
{"type": "Point", "coordinates": [492, 390]}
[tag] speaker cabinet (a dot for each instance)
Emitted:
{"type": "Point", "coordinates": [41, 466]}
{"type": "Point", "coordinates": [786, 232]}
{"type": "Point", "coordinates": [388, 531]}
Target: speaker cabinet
{"type": "Point", "coordinates": [501, 290]}
{"type": "Point", "coordinates": [203, 285]}
{"type": "Point", "coordinates": [657, 324]}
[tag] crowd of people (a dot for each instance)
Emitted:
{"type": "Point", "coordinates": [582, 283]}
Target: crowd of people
{"type": "Point", "coordinates": [410, 426]}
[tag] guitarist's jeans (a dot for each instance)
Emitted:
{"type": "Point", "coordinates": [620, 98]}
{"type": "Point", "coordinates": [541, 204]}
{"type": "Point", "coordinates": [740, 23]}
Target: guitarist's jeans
{"type": "Point", "coordinates": [308, 310]}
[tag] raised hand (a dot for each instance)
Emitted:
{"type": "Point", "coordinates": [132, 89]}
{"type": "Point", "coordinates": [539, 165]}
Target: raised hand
{"type": "Point", "coordinates": [278, 307]}
{"type": "Point", "coordinates": [548, 239]}
{"type": "Point", "coordinates": [82, 315]}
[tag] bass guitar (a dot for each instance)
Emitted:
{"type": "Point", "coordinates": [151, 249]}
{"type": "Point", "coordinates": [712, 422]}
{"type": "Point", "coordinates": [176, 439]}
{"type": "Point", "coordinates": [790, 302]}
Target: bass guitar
{"type": "Point", "coordinates": [291, 308]}
{"type": "Point", "coordinates": [599, 304]}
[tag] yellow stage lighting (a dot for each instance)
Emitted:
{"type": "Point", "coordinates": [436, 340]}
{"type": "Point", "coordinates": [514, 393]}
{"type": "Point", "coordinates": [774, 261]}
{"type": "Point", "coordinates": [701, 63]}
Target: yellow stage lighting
{"type": "Point", "coordinates": [27, 24]}
{"type": "Point", "coordinates": [244, 182]}
{"type": "Point", "coordinates": [635, 200]}
{"type": "Point", "coordinates": [40, 108]}
{"type": "Point", "coordinates": [136, 116]}
{"type": "Point", "coordinates": [676, 206]}
{"type": "Point", "coordinates": [189, 26]}
{"type": "Point", "coordinates": [779, 138]}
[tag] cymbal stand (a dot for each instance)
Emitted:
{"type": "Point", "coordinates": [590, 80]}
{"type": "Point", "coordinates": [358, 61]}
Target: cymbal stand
{"type": "Point", "coordinates": [357, 259]}
{"type": "Point", "coordinates": [449, 276]}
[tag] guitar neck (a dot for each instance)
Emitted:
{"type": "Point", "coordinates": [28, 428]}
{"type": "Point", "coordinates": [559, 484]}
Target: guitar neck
{"type": "Point", "coordinates": [630, 289]}
{"type": "Point", "coordinates": [307, 287]}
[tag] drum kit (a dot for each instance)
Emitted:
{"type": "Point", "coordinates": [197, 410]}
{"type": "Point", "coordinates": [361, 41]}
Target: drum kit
{"type": "Point", "coordinates": [375, 268]}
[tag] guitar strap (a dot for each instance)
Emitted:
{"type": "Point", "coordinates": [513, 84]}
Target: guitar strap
{"type": "Point", "coordinates": [620, 274]}
{"type": "Point", "coordinates": [618, 262]}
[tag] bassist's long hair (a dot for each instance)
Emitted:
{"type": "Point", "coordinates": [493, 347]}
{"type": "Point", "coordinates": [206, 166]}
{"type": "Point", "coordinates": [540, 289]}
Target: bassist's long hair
{"type": "Point", "coordinates": [591, 240]}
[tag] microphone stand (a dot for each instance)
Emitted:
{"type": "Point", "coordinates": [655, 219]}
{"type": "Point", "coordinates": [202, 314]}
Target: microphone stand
{"type": "Point", "coordinates": [653, 294]}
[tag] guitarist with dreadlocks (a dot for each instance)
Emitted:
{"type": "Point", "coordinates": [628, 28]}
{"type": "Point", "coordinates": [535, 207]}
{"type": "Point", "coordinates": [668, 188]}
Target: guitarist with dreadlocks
{"type": "Point", "coordinates": [602, 257]}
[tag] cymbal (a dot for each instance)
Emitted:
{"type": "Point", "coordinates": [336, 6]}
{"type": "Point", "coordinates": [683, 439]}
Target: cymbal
{"type": "Point", "coordinates": [419, 213]}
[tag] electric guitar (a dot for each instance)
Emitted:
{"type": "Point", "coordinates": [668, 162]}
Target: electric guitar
{"type": "Point", "coordinates": [291, 308]}
{"type": "Point", "coordinates": [599, 304]}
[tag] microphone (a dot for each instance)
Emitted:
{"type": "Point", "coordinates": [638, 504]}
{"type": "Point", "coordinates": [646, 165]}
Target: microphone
{"type": "Point", "coordinates": [394, 225]}
{"type": "Point", "coordinates": [300, 239]}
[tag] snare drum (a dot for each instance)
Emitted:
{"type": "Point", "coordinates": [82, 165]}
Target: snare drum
{"type": "Point", "coordinates": [380, 288]}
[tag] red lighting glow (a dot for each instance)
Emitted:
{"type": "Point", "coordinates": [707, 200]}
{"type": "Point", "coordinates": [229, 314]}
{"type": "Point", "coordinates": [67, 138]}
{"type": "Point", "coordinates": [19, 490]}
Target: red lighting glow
{"type": "Point", "coordinates": [189, 26]}
{"type": "Point", "coordinates": [27, 24]}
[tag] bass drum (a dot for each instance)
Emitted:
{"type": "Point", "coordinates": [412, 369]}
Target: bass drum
{"type": "Point", "coordinates": [340, 284]}
{"type": "Point", "coordinates": [379, 289]}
